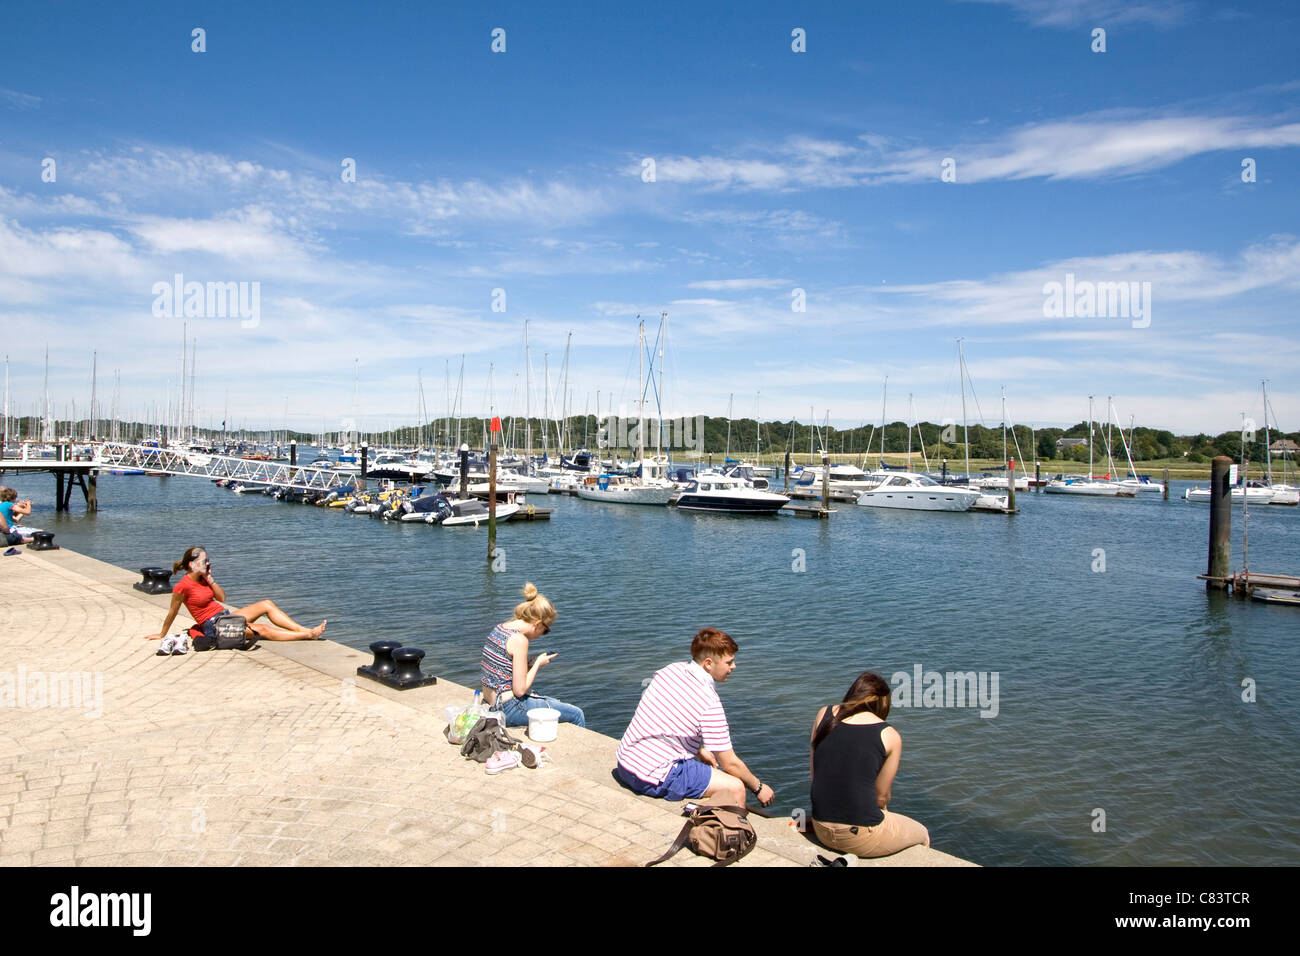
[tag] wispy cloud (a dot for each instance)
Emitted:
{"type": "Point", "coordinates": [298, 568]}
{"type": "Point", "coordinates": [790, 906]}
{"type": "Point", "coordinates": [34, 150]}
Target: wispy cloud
{"type": "Point", "coordinates": [1103, 13]}
{"type": "Point", "coordinates": [18, 100]}
{"type": "Point", "coordinates": [1116, 143]}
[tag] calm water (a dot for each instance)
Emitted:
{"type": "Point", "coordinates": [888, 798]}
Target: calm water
{"type": "Point", "coordinates": [1119, 690]}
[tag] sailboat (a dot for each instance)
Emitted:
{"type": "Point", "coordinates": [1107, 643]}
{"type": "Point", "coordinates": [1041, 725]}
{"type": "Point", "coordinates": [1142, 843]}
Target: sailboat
{"type": "Point", "coordinates": [1246, 491]}
{"type": "Point", "coordinates": [1095, 487]}
{"type": "Point", "coordinates": [648, 487]}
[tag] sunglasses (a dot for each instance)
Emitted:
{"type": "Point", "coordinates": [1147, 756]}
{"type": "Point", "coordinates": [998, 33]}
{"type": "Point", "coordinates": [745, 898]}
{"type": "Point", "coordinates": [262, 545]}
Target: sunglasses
{"type": "Point", "coordinates": [546, 629]}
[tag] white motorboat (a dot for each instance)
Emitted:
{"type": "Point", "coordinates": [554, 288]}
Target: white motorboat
{"type": "Point", "coordinates": [999, 482]}
{"type": "Point", "coordinates": [913, 492]}
{"type": "Point", "coordinates": [471, 511]}
{"type": "Point", "coordinates": [730, 494]}
{"type": "Point", "coordinates": [621, 489]}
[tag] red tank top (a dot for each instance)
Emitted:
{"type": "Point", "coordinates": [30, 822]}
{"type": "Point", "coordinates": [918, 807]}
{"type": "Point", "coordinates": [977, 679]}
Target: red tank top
{"type": "Point", "coordinates": [199, 600]}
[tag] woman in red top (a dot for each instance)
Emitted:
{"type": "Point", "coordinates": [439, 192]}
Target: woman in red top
{"type": "Point", "coordinates": [202, 597]}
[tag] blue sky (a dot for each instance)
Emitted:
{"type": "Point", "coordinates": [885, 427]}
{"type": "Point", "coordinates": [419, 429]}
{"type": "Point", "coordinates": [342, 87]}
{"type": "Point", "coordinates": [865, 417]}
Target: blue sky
{"type": "Point", "coordinates": [775, 170]}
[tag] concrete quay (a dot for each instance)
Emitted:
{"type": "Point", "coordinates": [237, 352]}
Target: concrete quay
{"type": "Point", "coordinates": [113, 756]}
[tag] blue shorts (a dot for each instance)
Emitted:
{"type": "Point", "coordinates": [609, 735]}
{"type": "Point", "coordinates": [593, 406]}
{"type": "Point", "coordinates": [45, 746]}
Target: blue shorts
{"type": "Point", "coordinates": [208, 627]}
{"type": "Point", "coordinates": [687, 780]}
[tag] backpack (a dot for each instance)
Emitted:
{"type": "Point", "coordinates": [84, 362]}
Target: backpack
{"type": "Point", "coordinates": [487, 737]}
{"type": "Point", "coordinates": [720, 833]}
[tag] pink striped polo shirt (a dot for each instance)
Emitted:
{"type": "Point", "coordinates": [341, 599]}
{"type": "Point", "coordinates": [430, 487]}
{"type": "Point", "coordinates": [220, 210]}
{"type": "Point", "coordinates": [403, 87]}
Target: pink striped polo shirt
{"type": "Point", "coordinates": [679, 713]}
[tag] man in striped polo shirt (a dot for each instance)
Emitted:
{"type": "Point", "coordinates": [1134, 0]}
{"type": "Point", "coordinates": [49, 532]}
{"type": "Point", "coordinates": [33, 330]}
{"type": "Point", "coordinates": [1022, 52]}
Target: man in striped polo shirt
{"type": "Point", "coordinates": [678, 745]}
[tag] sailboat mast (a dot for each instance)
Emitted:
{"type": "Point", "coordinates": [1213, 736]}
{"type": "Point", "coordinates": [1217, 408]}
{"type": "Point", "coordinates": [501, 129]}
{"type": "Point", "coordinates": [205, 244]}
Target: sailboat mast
{"type": "Point", "coordinates": [730, 400]}
{"type": "Point", "coordinates": [528, 404]}
{"type": "Point", "coordinates": [1090, 438]}
{"type": "Point", "coordinates": [961, 371]}
{"type": "Point", "coordinates": [640, 392]}
{"type": "Point", "coordinates": [1268, 454]}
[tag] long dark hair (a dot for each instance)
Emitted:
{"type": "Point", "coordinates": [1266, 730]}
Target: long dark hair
{"type": "Point", "coordinates": [868, 693]}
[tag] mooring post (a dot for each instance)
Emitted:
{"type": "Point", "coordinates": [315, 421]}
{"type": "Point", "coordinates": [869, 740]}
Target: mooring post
{"type": "Point", "coordinates": [1011, 485]}
{"type": "Point", "coordinates": [92, 493]}
{"type": "Point", "coordinates": [1038, 479]}
{"type": "Point", "coordinates": [1165, 494]}
{"type": "Point", "coordinates": [492, 502]}
{"type": "Point", "coordinates": [826, 482]}
{"type": "Point", "coordinates": [464, 472]}
{"type": "Point", "coordinates": [786, 471]}
{"type": "Point", "coordinates": [365, 452]}
{"type": "Point", "coordinates": [60, 501]}
{"type": "Point", "coordinates": [293, 453]}
{"type": "Point", "coordinates": [1220, 524]}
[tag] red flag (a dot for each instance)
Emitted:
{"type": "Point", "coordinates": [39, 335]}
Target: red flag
{"type": "Point", "coordinates": [495, 426]}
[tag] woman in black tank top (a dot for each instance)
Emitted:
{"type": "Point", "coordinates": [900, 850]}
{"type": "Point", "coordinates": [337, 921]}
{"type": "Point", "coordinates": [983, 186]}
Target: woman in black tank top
{"type": "Point", "coordinates": [855, 756]}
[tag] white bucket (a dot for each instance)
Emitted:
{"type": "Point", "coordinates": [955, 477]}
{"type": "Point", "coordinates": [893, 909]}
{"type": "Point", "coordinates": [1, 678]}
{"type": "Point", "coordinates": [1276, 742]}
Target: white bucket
{"type": "Point", "coordinates": [543, 724]}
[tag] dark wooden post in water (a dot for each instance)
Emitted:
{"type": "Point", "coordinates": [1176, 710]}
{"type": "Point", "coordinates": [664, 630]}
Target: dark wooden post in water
{"type": "Point", "coordinates": [1011, 485]}
{"type": "Point", "coordinates": [1165, 494]}
{"type": "Point", "coordinates": [92, 491]}
{"type": "Point", "coordinates": [1038, 481]}
{"type": "Point", "coordinates": [361, 483]}
{"type": "Point", "coordinates": [293, 453]}
{"type": "Point", "coordinates": [492, 501]}
{"type": "Point", "coordinates": [786, 471]}
{"type": "Point", "coordinates": [464, 472]}
{"type": "Point", "coordinates": [1220, 524]}
{"type": "Point", "coordinates": [826, 482]}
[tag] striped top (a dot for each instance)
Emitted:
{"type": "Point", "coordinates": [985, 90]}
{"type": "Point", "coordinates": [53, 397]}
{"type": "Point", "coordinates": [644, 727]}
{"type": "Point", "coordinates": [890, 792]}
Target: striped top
{"type": "Point", "coordinates": [497, 667]}
{"type": "Point", "coordinates": [679, 713]}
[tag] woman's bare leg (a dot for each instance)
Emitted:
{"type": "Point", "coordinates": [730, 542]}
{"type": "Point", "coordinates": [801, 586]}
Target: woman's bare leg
{"type": "Point", "coordinates": [276, 617]}
{"type": "Point", "coordinates": [269, 632]}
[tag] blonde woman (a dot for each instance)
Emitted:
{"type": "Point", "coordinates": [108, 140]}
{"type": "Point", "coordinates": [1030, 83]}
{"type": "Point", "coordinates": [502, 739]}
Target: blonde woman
{"type": "Point", "coordinates": [508, 677]}
{"type": "Point", "coordinates": [855, 756]}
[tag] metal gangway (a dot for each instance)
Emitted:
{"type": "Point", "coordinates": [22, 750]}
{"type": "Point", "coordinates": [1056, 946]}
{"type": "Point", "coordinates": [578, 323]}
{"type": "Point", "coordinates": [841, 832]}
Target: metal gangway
{"type": "Point", "coordinates": [173, 461]}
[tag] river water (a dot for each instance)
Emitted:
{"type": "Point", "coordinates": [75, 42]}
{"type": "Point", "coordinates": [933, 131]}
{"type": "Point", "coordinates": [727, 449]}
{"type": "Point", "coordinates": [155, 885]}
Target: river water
{"type": "Point", "coordinates": [1120, 734]}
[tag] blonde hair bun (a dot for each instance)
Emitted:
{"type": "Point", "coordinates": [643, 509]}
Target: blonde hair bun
{"type": "Point", "coordinates": [530, 591]}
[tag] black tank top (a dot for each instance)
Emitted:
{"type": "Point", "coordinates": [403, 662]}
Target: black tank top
{"type": "Point", "coordinates": [845, 765]}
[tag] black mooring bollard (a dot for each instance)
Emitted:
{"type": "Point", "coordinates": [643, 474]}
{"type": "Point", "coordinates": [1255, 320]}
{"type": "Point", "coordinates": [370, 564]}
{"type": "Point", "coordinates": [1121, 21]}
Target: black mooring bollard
{"type": "Point", "coordinates": [43, 541]}
{"type": "Point", "coordinates": [382, 665]}
{"type": "Point", "coordinates": [403, 664]}
{"type": "Point", "coordinates": [154, 581]}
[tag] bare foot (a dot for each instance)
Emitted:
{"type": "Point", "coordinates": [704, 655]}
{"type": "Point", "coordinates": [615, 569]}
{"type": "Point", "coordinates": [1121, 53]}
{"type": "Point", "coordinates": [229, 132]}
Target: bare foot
{"type": "Point", "coordinates": [318, 630]}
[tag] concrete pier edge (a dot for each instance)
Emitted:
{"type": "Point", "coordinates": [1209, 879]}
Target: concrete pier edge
{"type": "Point", "coordinates": [283, 755]}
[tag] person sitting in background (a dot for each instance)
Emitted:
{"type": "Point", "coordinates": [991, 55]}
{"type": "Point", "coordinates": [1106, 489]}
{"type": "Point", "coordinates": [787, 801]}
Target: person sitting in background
{"type": "Point", "coordinates": [508, 677]}
{"type": "Point", "coordinates": [11, 509]}
{"type": "Point", "coordinates": [854, 758]}
{"type": "Point", "coordinates": [678, 745]}
{"type": "Point", "coordinates": [202, 597]}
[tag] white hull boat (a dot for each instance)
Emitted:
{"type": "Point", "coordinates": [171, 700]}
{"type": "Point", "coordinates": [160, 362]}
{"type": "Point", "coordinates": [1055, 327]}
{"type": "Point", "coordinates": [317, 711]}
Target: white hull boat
{"type": "Point", "coordinates": [912, 492]}
{"type": "Point", "coordinates": [730, 495]}
{"type": "Point", "coordinates": [620, 489]}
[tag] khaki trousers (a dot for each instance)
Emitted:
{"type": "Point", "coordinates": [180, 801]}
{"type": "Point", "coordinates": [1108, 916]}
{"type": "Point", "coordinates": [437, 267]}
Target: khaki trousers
{"type": "Point", "coordinates": [895, 832]}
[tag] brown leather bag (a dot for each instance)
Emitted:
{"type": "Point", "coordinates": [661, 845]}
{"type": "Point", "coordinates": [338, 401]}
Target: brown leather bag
{"type": "Point", "coordinates": [723, 834]}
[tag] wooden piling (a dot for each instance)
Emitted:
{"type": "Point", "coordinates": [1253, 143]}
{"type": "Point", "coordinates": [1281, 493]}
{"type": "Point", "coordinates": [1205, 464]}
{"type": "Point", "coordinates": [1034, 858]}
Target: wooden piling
{"type": "Point", "coordinates": [1038, 480]}
{"type": "Point", "coordinates": [464, 471]}
{"type": "Point", "coordinates": [92, 493]}
{"type": "Point", "coordinates": [1220, 524]}
{"type": "Point", "coordinates": [826, 482]}
{"type": "Point", "coordinates": [1011, 485]}
{"type": "Point", "coordinates": [1165, 478]}
{"type": "Point", "coordinates": [293, 453]}
{"type": "Point", "coordinates": [786, 471]}
{"type": "Point", "coordinates": [492, 502]}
